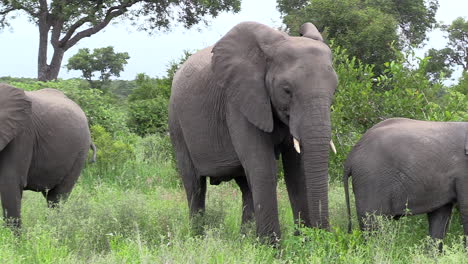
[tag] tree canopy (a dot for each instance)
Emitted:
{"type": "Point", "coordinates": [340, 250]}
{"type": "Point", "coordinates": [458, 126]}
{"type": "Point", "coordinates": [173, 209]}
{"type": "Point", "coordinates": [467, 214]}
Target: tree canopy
{"type": "Point", "coordinates": [103, 60]}
{"type": "Point", "coordinates": [455, 54]}
{"type": "Point", "coordinates": [369, 29]}
{"type": "Point", "coordinates": [69, 21]}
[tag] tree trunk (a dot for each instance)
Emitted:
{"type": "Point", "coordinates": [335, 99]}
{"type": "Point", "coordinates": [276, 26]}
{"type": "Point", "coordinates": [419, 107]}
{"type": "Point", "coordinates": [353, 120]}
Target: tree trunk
{"type": "Point", "coordinates": [54, 67]}
{"type": "Point", "coordinates": [42, 67]}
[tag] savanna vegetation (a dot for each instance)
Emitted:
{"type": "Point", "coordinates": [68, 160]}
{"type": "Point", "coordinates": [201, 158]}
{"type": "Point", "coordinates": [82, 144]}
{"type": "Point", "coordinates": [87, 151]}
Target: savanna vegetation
{"type": "Point", "coordinates": [130, 207]}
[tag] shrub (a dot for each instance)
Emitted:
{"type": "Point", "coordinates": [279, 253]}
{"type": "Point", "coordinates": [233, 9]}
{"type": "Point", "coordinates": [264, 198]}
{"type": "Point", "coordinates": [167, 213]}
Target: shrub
{"type": "Point", "coordinates": [155, 148]}
{"type": "Point", "coordinates": [111, 152]}
{"type": "Point", "coordinates": [148, 105]}
{"type": "Point", "coordinates": [148, 116]}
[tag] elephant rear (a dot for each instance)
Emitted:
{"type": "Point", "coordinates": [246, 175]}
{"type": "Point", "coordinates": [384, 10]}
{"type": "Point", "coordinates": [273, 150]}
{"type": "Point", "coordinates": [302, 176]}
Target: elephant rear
{"type": "Point", "coordinates": [63, 140]}
{"type": "Point", "coordinates": [403, 164]}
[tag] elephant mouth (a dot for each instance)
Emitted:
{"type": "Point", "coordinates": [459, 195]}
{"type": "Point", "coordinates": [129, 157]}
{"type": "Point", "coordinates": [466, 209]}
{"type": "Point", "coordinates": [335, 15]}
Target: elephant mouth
{"type": "Point", "coordinates": [297, 146]}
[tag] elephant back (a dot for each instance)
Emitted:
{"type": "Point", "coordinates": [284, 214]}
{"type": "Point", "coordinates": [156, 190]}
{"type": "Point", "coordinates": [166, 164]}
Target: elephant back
{"type": "Point", "coordinates": [54, 115]}
{"type": "Point", "coordinates": [191, 69]}
{"type": "Point", "coordinates": [55, 102]}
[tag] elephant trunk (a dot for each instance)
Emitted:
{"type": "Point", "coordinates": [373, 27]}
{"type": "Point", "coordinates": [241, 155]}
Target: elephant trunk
{"type": "Point", "coordinates": [315, 142]}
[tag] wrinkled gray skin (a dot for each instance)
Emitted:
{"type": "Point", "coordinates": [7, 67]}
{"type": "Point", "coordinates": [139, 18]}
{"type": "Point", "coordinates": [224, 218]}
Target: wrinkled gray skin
{"type": "Point", "coordinates": [44, 142]}
{"type": "Point", "coordinates": [402, 164]}
{"type": "Point", "coordinates": [236, 106]}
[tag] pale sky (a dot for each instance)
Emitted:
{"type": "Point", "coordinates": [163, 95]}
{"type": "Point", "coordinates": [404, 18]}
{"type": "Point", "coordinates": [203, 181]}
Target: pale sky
{"type": "Point", "coordinates": [151, 54]}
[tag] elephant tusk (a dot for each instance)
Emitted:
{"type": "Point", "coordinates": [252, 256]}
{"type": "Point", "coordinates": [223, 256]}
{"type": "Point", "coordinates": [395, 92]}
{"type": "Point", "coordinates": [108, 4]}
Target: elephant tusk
{"type": "Point", "coordinates": [332, 146]}
{"type": "Point", "coordinates": [297, 146]}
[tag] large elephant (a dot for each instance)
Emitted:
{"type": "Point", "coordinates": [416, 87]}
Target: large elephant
{"type": "Point", "coordinates": [403, 164]}
{"type": "Point", "coordinates": [237, 105]}
{"type": "Point", "coordinates": [44, 142]}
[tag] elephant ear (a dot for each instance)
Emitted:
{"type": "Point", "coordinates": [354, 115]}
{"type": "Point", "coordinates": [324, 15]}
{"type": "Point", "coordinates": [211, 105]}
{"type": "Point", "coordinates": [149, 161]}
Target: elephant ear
{"type": "Point", "coordinates": [308, 30]}
{"type": "Point", "coordinates": [239, 64]}
{"type": "Point", "coordinates": [15, 113]}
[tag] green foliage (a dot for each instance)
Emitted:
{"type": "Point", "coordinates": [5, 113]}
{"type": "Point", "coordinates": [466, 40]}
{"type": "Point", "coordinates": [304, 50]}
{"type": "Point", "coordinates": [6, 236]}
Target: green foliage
{"type": "Point", "coordinates": [458, 41]}
{"type": "Point", "coordinates": [438, 65]}
{"type": "Point", "coordinates": [462, 86]}
{"type": "Point", "coordinates": [103, 60]}
{"type": "Point", "coordinates": [149, 88]}
{"type": "Point", "coordinates": [148, 102]}
{"type": "Point", "coordinates": [364, 99]}
{"type": "Point", "coordinates": [155, 148]}
{"type": "Point", "coordinates": [415, 17]}
{"type": "Point", "coordinates": [148, 116]}
{"type": "Point", "coordinates": [367, 29]}
{"type": "Point", "coordinates": [111, 152]}
{"type": "Point", "coordinates": [455, 54]}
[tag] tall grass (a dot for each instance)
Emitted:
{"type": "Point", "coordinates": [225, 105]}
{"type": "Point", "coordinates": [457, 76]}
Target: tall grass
{"type": "Point", "coordinates": [137, 213]}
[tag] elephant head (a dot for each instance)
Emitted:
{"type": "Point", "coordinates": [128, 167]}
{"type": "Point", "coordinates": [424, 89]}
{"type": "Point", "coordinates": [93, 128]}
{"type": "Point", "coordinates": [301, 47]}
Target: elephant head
{"type": "Point", "coordinates": [270, 75]}
{"type": "Point", "coordinates": [15, 114]}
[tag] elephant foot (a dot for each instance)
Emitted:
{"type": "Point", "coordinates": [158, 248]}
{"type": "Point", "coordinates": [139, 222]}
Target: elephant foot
{"type": "Point", "coordinates": [247, 228]}
{"type": "Point", "coordinates": [14, 224]}
{"type": "Point", "coordinates": [197, 224]}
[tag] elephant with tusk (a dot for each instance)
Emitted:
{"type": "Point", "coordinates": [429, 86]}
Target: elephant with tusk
{"type": "Point", "coordinates": [237, 105]}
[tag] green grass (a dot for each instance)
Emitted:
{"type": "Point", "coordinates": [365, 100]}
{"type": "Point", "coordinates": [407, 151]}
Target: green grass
{"type": "Point", "coordinates": [138, 214]}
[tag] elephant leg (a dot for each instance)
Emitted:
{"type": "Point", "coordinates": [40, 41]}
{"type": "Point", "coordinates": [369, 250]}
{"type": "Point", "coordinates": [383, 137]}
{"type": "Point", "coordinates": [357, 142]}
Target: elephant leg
{"type": "Point", "coordinates": [256, 153]}
{"type": "Point", "coordinates": [247, 202]}
{"type": "Point", "coordinates": [295, 183]}
{"type": "Point", "coordinates": [194, 184]}
{"type": "Point", "coordinates": [61, 192]}
{"type": "Point", "coordinates": [195, 189]}
{"type": "Point", "coordinates": [367, 221]}
{"type": "Point", "coordinates": [14, 160]}
{"type": "Point", "coordinates": [11, 204]}
{"type": "Point", "coordinates": [461, 187]}
{"type": "Point", "coordinates": [438, 222]}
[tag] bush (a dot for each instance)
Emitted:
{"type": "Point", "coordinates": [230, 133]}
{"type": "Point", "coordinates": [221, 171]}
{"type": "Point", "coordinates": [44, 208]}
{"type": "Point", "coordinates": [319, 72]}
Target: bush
{"type": "Point", "coordinates": [148, 105]}
{"type": "Point", "coordinates": [148, 116]}
{"type": "Point", "coordinates": [155, 148]}
{"type": "Point", "coordinates": [111, 152]}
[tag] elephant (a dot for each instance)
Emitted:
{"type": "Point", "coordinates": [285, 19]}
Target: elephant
{"type": "Point", "coordinates": [44, 142]}
{"type": "Point", "coordinates": [237, 105]}
{"type": "Point", "coordinates": [402, 166]}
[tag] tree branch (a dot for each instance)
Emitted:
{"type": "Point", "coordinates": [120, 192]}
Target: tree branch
{"type": "Point", "coordinates": [57, 29]}
{"type": "Point", "coordinates": [8, 10]}
{"type": "Point", "coordinates": [73, 28]}
{"type": "Point", "coordinates": [110, 14]}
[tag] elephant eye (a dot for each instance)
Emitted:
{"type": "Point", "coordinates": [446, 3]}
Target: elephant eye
{"type": "Point", "coordinates": [287, 89]}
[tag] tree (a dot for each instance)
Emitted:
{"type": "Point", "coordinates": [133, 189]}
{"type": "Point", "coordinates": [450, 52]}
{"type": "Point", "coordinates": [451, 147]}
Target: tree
{"type": "Point", "coordinates": [458, 42]}
{"type": "Point", "coordinates": [69, 21]}
{"type": "Point", "coordinates": [454, 54]}
{"type": "Point", "coordinates": [103, 60]}
{"type": "Point", "coordinates": [438, 63]}
{"type": "Point", "coordinates": [368, 29]}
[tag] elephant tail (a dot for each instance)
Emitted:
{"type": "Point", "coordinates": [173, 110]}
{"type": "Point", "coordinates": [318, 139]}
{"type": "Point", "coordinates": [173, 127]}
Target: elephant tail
{"type": "Point", "coordinates": [93, 147]}
{"type": "Point", "coordinates": [347, 173]}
